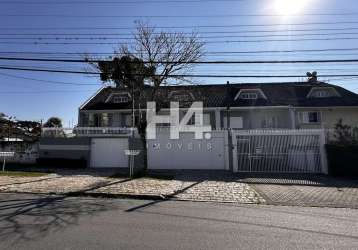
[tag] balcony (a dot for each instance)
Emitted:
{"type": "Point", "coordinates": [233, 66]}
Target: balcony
{"type": "Point", "coordinates": [88, 132]}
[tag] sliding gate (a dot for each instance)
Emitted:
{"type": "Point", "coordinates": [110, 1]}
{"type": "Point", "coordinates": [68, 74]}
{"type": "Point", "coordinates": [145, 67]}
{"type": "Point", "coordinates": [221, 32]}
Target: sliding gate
{"type": "Point", "coordinates": [279, 151]}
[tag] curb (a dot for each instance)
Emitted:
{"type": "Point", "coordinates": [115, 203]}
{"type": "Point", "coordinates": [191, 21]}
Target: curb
{"type": "Point", "coordinates": [97, 195]}
{"type": "Point", "coordinates": [133, 196]}
{"type": "Point", "coordinates": [119, 196]}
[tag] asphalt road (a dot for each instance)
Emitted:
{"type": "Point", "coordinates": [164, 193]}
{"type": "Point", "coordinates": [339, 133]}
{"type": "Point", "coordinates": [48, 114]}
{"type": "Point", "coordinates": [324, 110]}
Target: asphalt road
{"type": "Point", "coordinates": [53, 222]}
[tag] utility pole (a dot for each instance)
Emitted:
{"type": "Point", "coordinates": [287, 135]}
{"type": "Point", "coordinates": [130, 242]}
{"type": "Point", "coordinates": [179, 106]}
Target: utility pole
{"type": "Point", "coordinates": [228, 103]}
{"type": "Point", "coordinates": [9, 129]}
{"type": "Point", "coordinates": [133, 114]}
{"type": "Point", "coordinates": [228, 100]}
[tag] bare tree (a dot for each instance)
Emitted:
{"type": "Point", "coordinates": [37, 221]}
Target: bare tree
{"type": "Point", "coordinates": [154, 58]}
{"type": "Point", "coordinates": [169, 54]}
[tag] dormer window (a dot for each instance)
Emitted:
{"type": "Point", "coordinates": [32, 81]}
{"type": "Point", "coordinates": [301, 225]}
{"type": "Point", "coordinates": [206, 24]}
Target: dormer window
{"type": "Point", "coordinates": [181, 96]}
{"type": "Point", "coordinates": [118, 98]}
{"type": "Point", "coordinates": [250, 94]}
{"type": "Point", "coordinates": [323, 92]}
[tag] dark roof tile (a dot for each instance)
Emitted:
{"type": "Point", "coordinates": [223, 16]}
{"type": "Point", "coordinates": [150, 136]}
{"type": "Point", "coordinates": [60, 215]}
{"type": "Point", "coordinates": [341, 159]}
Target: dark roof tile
{"type": "Point", "coordinates": [278, 94]}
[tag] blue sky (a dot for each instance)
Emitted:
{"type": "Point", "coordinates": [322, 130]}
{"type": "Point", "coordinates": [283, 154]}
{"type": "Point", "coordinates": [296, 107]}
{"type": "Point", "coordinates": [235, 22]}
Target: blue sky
{"type": "Point", "coordinates": [35, 100]}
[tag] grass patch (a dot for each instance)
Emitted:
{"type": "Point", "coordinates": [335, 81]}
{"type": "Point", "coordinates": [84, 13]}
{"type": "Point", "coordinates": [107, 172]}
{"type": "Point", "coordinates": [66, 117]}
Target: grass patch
{"type": "Point", "coordinates": [151, 176]}
{"type": "Point", "coordinates": [118, 175]}
{"type": "Point", "coordinates": [22, 174]}
{"type": "Point", "coordinates": [160, 176]}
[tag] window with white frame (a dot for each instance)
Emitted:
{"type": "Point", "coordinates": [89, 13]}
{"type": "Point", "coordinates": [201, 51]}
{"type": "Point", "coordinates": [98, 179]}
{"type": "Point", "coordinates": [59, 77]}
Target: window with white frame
{"type": "Point", "coordinates": [309, 117]}
{"type": "Point", "coordinates": [322, 93]}
{"type": "Point", "coordinates": [236, 122]}
{"type": "Point", "coordinates": [120, 99]}
{"type": "Point", "coordinates": [319, 92]}
{"type": "Point", "coordinates": [181, 96]}
{"type": "Point", "coordinates": [128, 120]}
{"type": "Point", "coordinates": [91, 120]}
{"type": "Point", "coordinates": [270, 122]}
{"type": "Point", "coordinates": [248, 96]}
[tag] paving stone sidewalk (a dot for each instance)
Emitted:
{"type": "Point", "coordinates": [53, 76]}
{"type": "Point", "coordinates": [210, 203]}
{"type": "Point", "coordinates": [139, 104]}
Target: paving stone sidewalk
{"type": "Point", "coordinates": [303, 190]}
{"type": "Point", "coordinates": [192, 186]}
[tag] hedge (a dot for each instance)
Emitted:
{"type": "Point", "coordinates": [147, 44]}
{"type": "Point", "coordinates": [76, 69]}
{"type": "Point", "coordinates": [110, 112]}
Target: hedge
{"type": "Point", "coordinates": [342, 160]}
{"type": "Point", "coordinates": [62, 163]}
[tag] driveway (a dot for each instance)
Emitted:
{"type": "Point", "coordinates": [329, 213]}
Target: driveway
{"type": "Point", "coordinates": [304, 190]}
{"type": "Point", "coordinates": [58, 222]}
{"type": "Point", "coordinates": [216, 186]}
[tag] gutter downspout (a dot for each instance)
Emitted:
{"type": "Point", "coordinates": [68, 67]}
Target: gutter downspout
{"type": "Point", "coordinates": [292, 117]}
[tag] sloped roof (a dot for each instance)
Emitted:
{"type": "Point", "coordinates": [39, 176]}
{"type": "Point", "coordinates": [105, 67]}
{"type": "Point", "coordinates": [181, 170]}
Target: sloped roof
{"type": "Point", "coordinates": [220, 95]}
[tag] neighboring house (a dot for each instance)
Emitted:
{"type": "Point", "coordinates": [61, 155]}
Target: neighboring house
{"type": "Point", "coordinates": [296, 105]}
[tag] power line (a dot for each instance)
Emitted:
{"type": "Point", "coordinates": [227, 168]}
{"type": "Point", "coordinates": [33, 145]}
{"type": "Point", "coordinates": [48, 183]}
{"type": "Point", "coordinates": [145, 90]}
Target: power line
{"type": "Point", "coordinates": [40, 38]}
{"type": "Point", "coordinates": [115, 2]}
{"type": "Point", "coordinates": [70, 67]}
{"type": "Point", "coordinates": [187, 62]}
{"type": "Point", "coordinates": [182, 27]}
{"type": "Point", "coordinates": [208, 53]}
{"type": "Point", "coordinates": [177, 16]}
{"type": "Point", "coordinates": [183, 75]}
{"type": "Point", "coordinates": [47, 81]}
{"type": "Point", "coordinates": [207, 42]}
{"type": "Point", "coordinates": [220, 70]}
{"type": "Point", "coordinates": [184, 33]}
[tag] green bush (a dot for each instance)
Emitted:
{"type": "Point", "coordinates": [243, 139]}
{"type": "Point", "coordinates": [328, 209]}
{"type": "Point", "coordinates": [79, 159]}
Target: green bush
{"type": "Point", "coordinates": [342, 160]}
{"type": "Point", "coordinates": [62, 163]}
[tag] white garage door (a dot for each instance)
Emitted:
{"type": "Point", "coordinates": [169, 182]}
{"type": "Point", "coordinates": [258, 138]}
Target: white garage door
{"type": "Point", "coordinates": [109, 152]}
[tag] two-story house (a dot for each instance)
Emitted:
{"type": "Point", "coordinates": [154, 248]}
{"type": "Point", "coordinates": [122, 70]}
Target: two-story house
{"type": "Point", "coordinates": [296, 105]}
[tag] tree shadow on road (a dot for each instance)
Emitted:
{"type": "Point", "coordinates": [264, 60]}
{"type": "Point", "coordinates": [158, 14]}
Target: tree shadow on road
{"type": "Point", "coordinates": [32, 181]}
{"type": "Point", "coordinates": [166, 198]}
{"type": "Point", "coordinates": [29, 219]}
{"type": "Point", "coordinates": [243, 222]}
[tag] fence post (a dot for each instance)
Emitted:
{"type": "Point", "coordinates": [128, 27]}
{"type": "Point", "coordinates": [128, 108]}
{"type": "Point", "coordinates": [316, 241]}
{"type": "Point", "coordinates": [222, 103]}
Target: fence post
{"type": "Point", "coordinates": [233, 149]}
{"type": "Point", "coordinates": [323, 151]}
{"type": "Point", "coordinates": [3, 165]}
{"type": "Point", "coordinates": [227, 147]}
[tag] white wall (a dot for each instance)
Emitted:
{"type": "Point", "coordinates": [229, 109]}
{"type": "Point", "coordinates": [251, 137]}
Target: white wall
{"type": "Point", "coordinates": [188, 152]}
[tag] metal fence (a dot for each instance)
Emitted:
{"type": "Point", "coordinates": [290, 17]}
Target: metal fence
{"type": "Point", "coordinates": [279, 151]}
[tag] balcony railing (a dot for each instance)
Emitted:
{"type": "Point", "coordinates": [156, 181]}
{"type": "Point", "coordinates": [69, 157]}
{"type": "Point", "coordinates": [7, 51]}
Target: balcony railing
{"type": "Point", "coordinates": [87, 132]}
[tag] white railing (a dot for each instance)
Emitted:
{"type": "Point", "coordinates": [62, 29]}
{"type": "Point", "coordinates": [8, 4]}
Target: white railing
{"type": "Point", "coordinates": [87, 132]}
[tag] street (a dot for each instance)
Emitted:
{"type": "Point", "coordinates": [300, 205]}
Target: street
{"type": "Point", "coordinates": [57, 222]}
